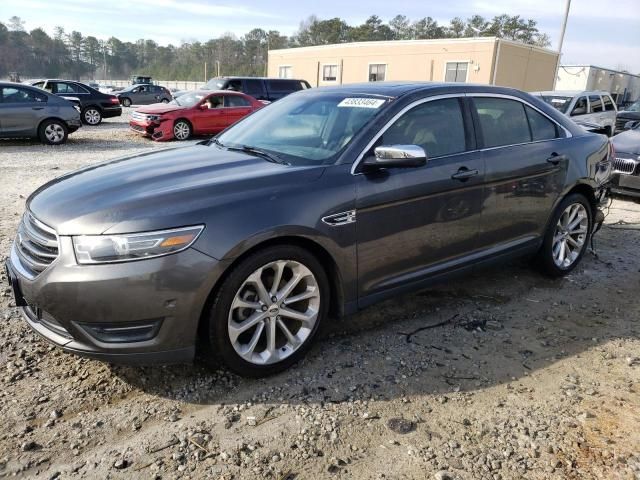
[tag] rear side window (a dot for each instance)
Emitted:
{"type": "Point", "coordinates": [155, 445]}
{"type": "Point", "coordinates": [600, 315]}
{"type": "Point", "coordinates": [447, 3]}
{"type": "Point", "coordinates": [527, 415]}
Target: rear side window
{"type": "Point", "coordinates": [436, 126]}
{"type": "Point", "coordinates": [502, 121]}
{"type": "Point", "coordinates": [596, 103]}
{"type": "Point", "coordinates": [253, 88]}
{"type": "Point", "coordinates": [284, 86]}
{"type": "Point", "coordinates": [608, 103]}
{"type": "Point", "coordinates": [21, 95]}
{"type": "Point", "coordinates": [541, 127]}
{"type": "Point", "coordinates": [236, 101]}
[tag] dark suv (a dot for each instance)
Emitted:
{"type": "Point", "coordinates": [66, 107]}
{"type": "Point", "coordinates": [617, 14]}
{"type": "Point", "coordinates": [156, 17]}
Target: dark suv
{"type": "Point", "coordinates": [94, 105]}
{"type": "Point", "coordinates": [264, 89]}
{"type": "Point", "coordinates": [321, 204]}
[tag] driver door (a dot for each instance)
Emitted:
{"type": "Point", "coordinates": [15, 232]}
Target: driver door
{"type": "Point", "coordinates": [414, 222]}
{"type": "Point", "coordinates": [209, 120]}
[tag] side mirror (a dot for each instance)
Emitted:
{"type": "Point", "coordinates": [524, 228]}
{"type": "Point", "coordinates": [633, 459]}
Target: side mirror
{"type": "Point", "coordinates": [397, 156]}
{"type": "Point", "coordinates": [578, 111]}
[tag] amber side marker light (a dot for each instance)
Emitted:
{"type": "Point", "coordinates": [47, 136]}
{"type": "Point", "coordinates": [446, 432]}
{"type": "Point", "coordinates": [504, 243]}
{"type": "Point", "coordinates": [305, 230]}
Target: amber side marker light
{"type": "Point", "coordinates": [177, 240]}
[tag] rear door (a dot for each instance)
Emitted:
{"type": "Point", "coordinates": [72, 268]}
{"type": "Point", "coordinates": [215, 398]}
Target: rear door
{"type": "Point", "coordinates": [71, 91]}
{"type": "Point", "coordinates": [279, 88]}
{"type": "Point", "coordinates": [20, 111]}
{"type": "Point", "coordinates": [413, 222]}
{"type": "Point", "coordinates": [255, 88]}
{"type": "Point", "coordinates": [526, 155]}
{"type": "Point", "coordinates": [596, 111]}
{"type": "Point", "coordinates": [235, 107]}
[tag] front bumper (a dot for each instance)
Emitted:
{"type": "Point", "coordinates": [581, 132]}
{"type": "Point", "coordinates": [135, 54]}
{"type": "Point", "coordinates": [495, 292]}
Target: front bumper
{"type": "Point", "coordinates": [159, 131]}
{"type": "Point", "coordinates": [67, 302]}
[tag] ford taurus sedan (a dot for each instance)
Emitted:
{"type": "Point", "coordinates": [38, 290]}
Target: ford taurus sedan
{"type": "Point", "coordinates": [194, 113]}
{"type": "Point", "coordinates": [307, 210]}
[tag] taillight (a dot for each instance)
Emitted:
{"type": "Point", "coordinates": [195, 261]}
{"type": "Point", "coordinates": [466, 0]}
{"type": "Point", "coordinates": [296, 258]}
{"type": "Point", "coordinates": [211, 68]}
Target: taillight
{"type": "Point", "coordinates": [115, 100]}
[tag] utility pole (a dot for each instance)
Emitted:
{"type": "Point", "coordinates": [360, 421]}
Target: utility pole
{"type": "Point", "coordinates": [205, 71]}
{"type": "Point", "coordinates": [104, 58]}
{"type": "Point", "coordinates": [562, 32]}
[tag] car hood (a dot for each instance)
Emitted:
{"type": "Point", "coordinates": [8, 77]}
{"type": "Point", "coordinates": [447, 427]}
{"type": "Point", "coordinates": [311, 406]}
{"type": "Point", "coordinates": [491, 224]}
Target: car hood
{"type": "Point", "coordinates": [627, 142]}
{"type": "Point", "coordinates": [159, 190]}
{"type": "Point", "coordinates": [159, 108]}
{"type": "Point", "coordinates": [629, 114]}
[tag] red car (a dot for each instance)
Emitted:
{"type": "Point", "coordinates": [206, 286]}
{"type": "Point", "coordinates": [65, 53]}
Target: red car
{"type": "Point", "coordinates": [193, 113]}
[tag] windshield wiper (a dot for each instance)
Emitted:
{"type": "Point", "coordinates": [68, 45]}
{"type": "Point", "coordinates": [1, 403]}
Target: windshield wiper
{"type": "Point", "coordinates": [256, 151]}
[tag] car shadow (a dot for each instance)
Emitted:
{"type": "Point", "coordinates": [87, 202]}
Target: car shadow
{"type": "Point", "coordinates": [472, 333]}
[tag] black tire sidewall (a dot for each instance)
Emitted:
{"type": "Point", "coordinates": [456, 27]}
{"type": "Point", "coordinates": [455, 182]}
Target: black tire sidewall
{"type": "Point", "coordinates": [545, 255]}
{"type": "Point", "coordinates": [85, 110]}
{"type": "Point", "coordinates": [45, 124]}
{"type": "Point", "coordinates": [220, 347]}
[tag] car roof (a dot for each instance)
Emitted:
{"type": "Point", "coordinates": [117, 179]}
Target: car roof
{"type": "Point", "coordinates": [571, 93]}
{"type": "Point", "coordinates": [240, 77]}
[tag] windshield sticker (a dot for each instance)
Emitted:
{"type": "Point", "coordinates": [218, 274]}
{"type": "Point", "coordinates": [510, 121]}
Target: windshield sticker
{"type": "Point", "coordinates": [362, 102]}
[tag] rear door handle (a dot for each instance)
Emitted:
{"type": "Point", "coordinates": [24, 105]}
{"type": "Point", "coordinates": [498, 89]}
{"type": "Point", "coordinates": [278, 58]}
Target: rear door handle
{"type": "Point", "coordinates": [464, 174]}
{"type": "Point", "coordinates": [556, 158]}
{"type": "Point", "coordinates": [37, 108]}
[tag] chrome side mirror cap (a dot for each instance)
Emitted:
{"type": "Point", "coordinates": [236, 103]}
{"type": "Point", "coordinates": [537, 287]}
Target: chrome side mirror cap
{"type": "Point", "coordinates": [397, 156]}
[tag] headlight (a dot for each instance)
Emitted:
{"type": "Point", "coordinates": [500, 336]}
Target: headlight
{"type": "Point", "coordinates": [153, 118]}
{"type": "Point", "coordinates": [133, 246]}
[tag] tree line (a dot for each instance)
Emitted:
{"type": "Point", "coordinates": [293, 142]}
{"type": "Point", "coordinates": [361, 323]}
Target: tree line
{"type": "Point", "coordinates": [72, 55]}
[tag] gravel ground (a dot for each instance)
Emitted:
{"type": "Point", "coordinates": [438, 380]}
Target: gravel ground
{"type": "Point", "coordinates": [499, 375]}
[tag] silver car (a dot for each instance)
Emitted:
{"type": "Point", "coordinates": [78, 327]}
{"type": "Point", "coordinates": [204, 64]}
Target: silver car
{"type": "Point", "coordinates": [27, 111]}
{"type": "Point", "coordinates": [594, 110]}
{"type": "Point", "coordinates": [145, 94]}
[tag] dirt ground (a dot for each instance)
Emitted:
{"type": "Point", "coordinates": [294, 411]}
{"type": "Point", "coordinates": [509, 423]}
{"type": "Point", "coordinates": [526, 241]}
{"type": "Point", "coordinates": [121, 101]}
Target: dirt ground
{"type": "Point", "coordinates": [525, 377]}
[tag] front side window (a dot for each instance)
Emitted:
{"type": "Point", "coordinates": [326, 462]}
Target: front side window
{"type": "Point", "coordinates": [503, 122]}
{"type": "Point", "coordinates": [21, 95]}
{"type": "Point", "coordinates": [305, 129]}
{"type": "Point", "coordinates": [329, 73]}
{"type": "Point", "coordinates": [436, 126]}
{"type": "Point", "coordinates": [377, 72]}
{"type": "Point", "coordinates": [596, 103]}
{"type": "Point", "coordinates": [580, 108]}
{"type": "Point", "coordinates": [285, 71]}
{"type": "Point", "coordinates": [456, 72]}
{"type": "Point", "coordinates": [541, 127]}
{"type": "Point", "coordinates": [608, 103]}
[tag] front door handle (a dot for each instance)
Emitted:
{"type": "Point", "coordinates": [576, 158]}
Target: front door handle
{"type": "Point", "coordinates": [37, 108]}
{"type": "Point", "coordinates": [555, 158]}
{"type": "Point", "coordinates": [464, 174]}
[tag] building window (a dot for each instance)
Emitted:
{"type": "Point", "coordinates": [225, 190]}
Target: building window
{"type": "Point", "coordinates": [329, 73]}
{"type": "Point", "coordinates": [285, 71]}
{"type": "Point", "coordinates": [377, 72]}
{"type": "Point", "coordinates": [456, 72]}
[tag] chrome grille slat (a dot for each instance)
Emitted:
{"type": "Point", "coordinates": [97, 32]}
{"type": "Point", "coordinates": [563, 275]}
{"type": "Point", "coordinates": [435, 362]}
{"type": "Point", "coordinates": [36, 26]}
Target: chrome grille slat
{"type": "Point", "coordinates": [624, 165]}
{"type": "Point", "coordinates": [36, 244]}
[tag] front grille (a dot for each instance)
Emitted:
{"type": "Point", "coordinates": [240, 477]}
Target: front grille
{"type": "Point", "coordinates": [36, 244]}
{"type": "Point", "coordinates": [139, 117]}
{"type": "Point", "coordinates": [624, 165]}
{"type": "Point", "coordinates": [137, 128]}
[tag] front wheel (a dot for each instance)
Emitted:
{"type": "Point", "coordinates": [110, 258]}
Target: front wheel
{"type": "Point", "coordinates": [53, 132]}
{"type": "Point", "coordinates": [126, 102]}
{"type": "Point", "coordinates": [567, 236]}
{"type": "Point", "coordinates": [182, 130]}
{"type": "Point", "coordinates": [268, 310]}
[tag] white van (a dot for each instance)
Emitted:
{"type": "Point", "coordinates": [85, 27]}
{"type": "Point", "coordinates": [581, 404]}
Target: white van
{"type": "Point", "coordinates": [593, 110]}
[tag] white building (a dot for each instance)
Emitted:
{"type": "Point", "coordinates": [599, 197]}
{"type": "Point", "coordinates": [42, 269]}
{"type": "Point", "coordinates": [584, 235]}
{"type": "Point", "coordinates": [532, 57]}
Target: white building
{"type": "Point", "coordinates": [623, 86]}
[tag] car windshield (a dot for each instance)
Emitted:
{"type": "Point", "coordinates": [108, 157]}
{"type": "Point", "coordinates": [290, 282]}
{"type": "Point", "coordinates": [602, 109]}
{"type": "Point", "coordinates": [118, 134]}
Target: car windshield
{"type": "Point", "coordinates": [559, 102]}
{"type": "Point", "coordinates": [188, 99]}
{"type": "Point", "coordinates": [304, 129]}
{"type": "Point", "coordinates": [214, 84]}
{"type": "Point", "coordinates": [634, 107]}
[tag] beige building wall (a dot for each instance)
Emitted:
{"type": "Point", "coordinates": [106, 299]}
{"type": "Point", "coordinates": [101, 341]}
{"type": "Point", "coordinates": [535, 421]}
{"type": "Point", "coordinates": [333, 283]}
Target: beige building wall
{"type": "Point", "coordinates": [419, 60]}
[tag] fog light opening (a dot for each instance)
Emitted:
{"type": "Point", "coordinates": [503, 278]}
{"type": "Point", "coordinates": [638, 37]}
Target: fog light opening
{"type": "Point", "coordinates": [123, 332]}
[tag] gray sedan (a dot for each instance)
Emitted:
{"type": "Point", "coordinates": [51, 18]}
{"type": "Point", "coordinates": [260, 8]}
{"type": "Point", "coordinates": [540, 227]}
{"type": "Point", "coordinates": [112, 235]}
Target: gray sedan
{"type": "Point", "coordinates": [144, 95]}
{"type": "Point", "coordinates": [30, 112]}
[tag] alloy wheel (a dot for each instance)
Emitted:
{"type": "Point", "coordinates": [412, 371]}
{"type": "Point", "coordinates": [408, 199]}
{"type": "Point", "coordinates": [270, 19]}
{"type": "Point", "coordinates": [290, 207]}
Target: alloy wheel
{"type": "Point", "coordinates": [92, 116]}
{"type": "Point", "coordinates": [570, 235]}
{"type": "Point", "coordinates": [181, 131]}
{"type": "Point", "coordinates": [274, 312]}
{"type": "Point", "coordinates": [54, 132]}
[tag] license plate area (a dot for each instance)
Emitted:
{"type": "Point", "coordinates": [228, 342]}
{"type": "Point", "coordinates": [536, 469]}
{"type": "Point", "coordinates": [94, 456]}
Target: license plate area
{"type": "Point", "coordinates": [629, 181]}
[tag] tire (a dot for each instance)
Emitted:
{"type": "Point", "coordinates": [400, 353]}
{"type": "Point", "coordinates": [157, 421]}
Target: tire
{"type": "Point", "coordinates": [126, 102]}
{"type": "Point", "coordinates": [237, 300]}
{"type": "Point", "coordinates": [91, 116]}
{"type": "Point", "coordinates": [164, 100]}
{"type": "Point", "coordinates": [550, 256]}
{"type": "Point", "coordinates": [53, 132]}
{"type": "Point", "coordinates": [182, 130]}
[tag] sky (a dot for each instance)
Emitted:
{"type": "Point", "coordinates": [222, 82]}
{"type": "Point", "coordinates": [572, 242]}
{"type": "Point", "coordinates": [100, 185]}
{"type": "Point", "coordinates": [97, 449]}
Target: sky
{"type": "Point", "coordinates": [599, 32]}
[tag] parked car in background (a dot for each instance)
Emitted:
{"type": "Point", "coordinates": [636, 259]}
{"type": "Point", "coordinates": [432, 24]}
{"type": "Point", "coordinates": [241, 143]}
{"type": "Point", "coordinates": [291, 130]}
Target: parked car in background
{"type": "Point", "coordinates": [94, 105]}
{"type": "Point", "coordinates": [196, 113]}
{"type": "Point", "coordinates": [94, 85]}
{"type": "Point", "coordinates": [626, 169]}
{"type": "Point", "coordinates": [27, 111]}
{"type": "Point", "coordinates": [144, 94]}
{"type": "Point", "coordinates": [321, 204]}
{"type": "Point", "coordinates": [593, 108]}
{"type": "Point", "coordinates": [263, 89]}
{"type": "Point", "coordinates": [107, 88]}
{"type": "Point", "coordinates": [140, 79]}
{"type": "Point", "coordinates": [629, 117]}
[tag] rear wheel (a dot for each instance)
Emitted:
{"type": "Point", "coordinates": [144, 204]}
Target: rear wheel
{"type": "Point", "coordinates": [182, 130]}
{"type": "Point", "coordinates": [268, 310]}
{"type": "Point", "coordinates": [91, 116]}
{"type": "Point", "coordinates": [53, 132]}
{"type": "Point", "coordinates": [567, 236]}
